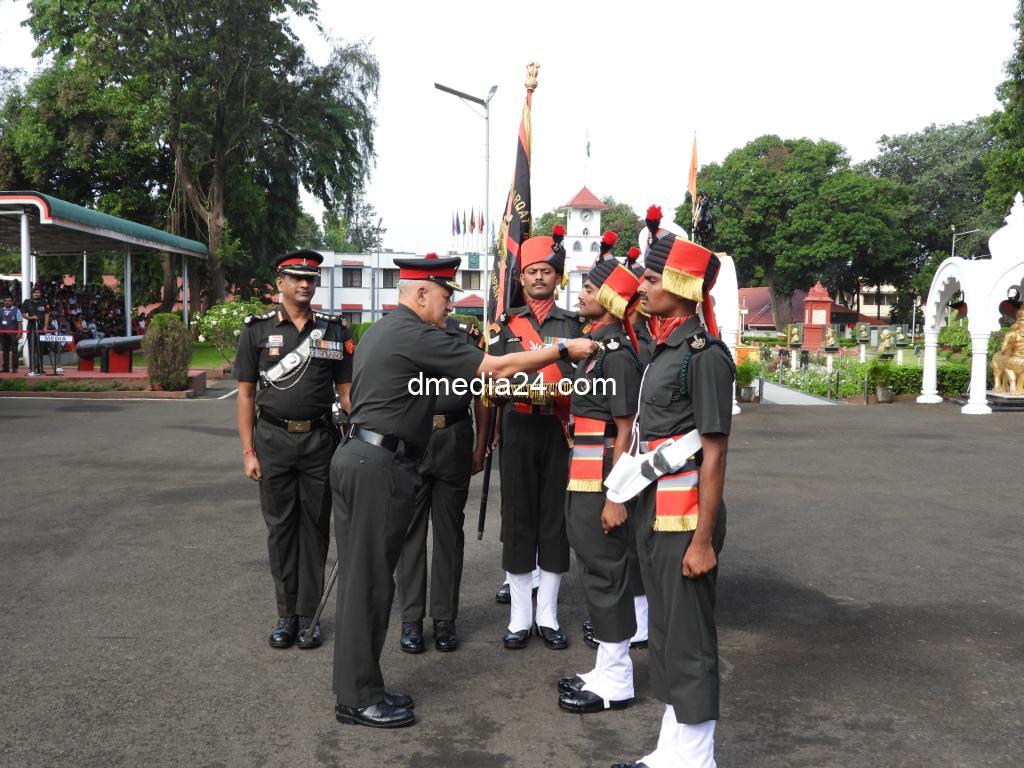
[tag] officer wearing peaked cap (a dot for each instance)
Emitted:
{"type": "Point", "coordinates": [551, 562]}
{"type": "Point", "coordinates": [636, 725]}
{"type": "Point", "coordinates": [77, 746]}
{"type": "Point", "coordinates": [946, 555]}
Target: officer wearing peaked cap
{"type": "Point", "coordinates": [291, 364]}
{"type": "Point", "coordinates": [375, 472]}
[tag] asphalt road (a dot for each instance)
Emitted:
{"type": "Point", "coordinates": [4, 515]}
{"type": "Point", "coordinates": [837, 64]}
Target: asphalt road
{"type": "Point", "coordinates": [870, 603]}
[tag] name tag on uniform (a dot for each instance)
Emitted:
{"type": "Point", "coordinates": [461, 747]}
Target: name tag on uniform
{"type": "Point", "coordinates": [326, 350]}
{"type": "Point", "coordinates": [511, 339]}
{"type": "Point", "coordinates": [275, 341]}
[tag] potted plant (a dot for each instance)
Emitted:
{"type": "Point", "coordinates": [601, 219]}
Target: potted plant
{"type": "Point", "coordinates": [745, 373]}
{"type": "Point", "coordinates": [880, 373]}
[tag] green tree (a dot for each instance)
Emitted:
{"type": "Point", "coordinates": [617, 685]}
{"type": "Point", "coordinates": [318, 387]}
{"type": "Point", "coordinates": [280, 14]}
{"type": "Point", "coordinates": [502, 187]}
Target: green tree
{"type": "Point", "coordinates": [1005, 164]}
{"type": "Point", "coordinates": [942, 169]}
{"type": "Point", "coordinates": [621, 219]}
{"type": "Point", "coordinates": [307, 233]}
{"type": "Point", "coordinates": [241, 107]}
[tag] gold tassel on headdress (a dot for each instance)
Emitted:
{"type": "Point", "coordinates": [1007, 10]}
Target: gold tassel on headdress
{"type": "Point", "coordinates": [682, 284]}
{"type": "Point", "coordinates": [612, 301]}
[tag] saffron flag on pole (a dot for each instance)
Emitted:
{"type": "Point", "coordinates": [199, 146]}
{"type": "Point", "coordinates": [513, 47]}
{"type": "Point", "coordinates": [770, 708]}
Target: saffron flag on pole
{"type": "Point", "coordinates": [504, 291]}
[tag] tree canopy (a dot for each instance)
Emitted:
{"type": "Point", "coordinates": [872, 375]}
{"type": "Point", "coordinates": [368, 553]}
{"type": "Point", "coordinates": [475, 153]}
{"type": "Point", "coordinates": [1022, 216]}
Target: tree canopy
{"type": "Point", "coordinates": [210, 114]}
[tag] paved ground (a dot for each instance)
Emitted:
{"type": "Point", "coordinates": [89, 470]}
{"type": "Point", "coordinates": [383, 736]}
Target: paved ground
{"type": "Point", "coordinates": [776, 395]}
{"type": "Point", "coordinates": [871, 609]}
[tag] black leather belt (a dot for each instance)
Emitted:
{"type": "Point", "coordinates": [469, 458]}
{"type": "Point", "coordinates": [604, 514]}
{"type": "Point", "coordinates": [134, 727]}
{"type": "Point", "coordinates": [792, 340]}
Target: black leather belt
{"type": "Point", "coordinates": [387, 442]}
{"type": "Point", "coordinates": [442, 420]}
{"type": "Point", "coordinates": [297, 427]}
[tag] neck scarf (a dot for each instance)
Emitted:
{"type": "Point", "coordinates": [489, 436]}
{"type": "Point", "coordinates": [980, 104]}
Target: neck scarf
{"type": "Point", "coordinates": [667, 325]}
{"type": "Point", "coordinates": [540, 308]}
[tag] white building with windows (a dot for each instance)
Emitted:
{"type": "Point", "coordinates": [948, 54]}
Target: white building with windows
{"type": "Point", "coordinates": [363, 287]}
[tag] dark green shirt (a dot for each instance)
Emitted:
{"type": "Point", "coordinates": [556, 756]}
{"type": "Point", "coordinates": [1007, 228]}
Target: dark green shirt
{"type": "Point", "coordinates": [709, 374]}
{"type": "Point", "coordinates": [264, 342]}
{"type": "Point", "coordinates": [448, 402]}
{"type": "Point", "coordinates": [394, 351]}
{"type": "Point", "coordinates": [617, 365]}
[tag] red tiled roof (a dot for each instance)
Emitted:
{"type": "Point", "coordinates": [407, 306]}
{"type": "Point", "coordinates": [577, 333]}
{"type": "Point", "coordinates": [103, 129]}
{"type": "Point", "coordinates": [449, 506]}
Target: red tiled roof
{"type": "Point", "coordinates": [586, 199]}
{"type": "Point", "coordinates": [471, 301]}
{"type": "Point", "coordinates": [759, 310]}
{"type": "Point", "coordinates": [351, 307]}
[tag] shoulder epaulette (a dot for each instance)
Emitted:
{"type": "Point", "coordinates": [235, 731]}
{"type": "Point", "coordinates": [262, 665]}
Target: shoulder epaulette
{"type": "Point", "coordinates": [253, 318]}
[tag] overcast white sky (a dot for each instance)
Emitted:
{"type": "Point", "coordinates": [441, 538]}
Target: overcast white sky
{"type": "Point", "coordinates": [727, 70]}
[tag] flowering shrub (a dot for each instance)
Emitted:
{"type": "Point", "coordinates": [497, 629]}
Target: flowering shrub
{"type": "Point", "coordinates": [221, 324]}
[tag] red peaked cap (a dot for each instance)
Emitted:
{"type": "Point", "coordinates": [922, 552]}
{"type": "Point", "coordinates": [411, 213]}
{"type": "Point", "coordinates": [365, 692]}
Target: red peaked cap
{"type": "Point", "coordinates": [430, 267]}
{"type": "Point", "coordinates": [542, 248]}
{"type": "Point", "coordinates": [304, 263]}
{"type": "Point", "coordinates": [687, 270]}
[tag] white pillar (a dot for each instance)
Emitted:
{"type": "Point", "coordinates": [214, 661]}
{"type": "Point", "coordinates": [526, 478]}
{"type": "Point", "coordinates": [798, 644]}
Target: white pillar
{"type": "Point", "coordinates": [26, 274]}
{"type": "Point", "coordinates": [828, 364]}
{"type": "Point", "coordinates": [929, 376]}
{"type": "Point", "coordinates": [863, 353]}
{"type": "Point", "coordinates": [977, 403]}
{"type": "Point", "coordinates": [128, 294]}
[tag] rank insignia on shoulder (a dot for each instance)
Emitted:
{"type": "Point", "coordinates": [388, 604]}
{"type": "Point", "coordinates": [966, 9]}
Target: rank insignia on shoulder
{"type": "Point", "coordinates": [248, 319]}
{"type": "Point", "coordinates": [698, 341]}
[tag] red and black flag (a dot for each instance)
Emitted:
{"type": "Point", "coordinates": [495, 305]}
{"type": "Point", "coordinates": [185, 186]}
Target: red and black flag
{"type": "Point", "coordinates": [505, 291]}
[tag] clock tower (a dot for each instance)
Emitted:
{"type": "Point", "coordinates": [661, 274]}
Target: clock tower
{"type": "Point", "coordinates": [582, 240]}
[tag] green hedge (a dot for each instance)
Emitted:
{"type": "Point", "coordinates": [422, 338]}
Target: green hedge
{"type": "Point", "coordinates": [956, 337]}
{"type": "Point", "coordinates": [953, 379]}
{"type": "Point", "coordinates": [168, 350]}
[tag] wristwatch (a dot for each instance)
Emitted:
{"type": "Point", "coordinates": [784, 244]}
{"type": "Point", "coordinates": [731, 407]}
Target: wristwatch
{"type": "Point", "coordinates": [563, 351]}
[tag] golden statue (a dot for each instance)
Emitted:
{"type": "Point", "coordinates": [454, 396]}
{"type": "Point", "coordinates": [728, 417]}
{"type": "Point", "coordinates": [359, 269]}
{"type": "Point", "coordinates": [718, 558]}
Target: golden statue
{"type": "Point", "coordinates": [1008, 363]}
{"type": "Point", "coordinates": [830, 338]}
{"type": "Point", "coordinates": [794, 335]}
{"type": "Point", "coordinates": [885, 342]}
{"type": "Point", "coordinates": [531, 75]}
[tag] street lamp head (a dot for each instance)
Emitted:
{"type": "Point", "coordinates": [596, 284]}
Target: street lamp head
{"type": "Point", "coordinates": [490, 93]}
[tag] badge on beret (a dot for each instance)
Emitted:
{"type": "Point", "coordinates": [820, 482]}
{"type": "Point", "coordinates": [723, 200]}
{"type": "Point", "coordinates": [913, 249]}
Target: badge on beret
{"type": "Point", "coordinates": [316, 334]}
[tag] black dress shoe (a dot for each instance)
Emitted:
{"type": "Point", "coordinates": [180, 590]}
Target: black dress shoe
{"type": "Point", "coordinates": [283, 635]}
{"type": "Point", "coordinates": [587, 702]}
{"type": "Point", "coordinates": [590, 640]}
{"type": "Point", "coordinates": [445, 637]}
{"type": "Point", "coordinates": [630, 765]}
{"type": "Point", "coordinates": [381, 715]}
{"type": "Point", "coordinates": [399, 700]}
{"type": "Point", "coordinates": [504, 594]}
{"type": "Point", "coordinates": [309, 638]}
{"type": "Point", "coordinates": [571, 684]}
{"type": "Point", "coordinates": [588, 627]}
{"type": "Point", "coordinates": [412, 637]}
{"type": "Point", "coordinates": [554, 639]}
{"type": "Point", "coordinates": [516, 640]}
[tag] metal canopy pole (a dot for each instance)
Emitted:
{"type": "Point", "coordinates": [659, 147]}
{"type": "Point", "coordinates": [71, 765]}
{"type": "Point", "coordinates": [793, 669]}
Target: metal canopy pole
{"type": "Point", "coordinates": [184, 289]}
{"type": "Point", "coordinates": [26, 291]}
{"type": "Point", "coordinates": [128, 293]}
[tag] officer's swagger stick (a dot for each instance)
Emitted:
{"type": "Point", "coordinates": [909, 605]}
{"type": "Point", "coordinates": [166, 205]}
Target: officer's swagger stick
{"type": "Point", "coordinates": [308, 634]}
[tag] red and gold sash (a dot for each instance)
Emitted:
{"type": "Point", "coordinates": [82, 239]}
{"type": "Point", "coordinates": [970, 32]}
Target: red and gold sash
{"type": "Point", "coordinates": [586, 472]}
{"type": "Point", "coordinates": [551, 373]}
{"type": "Point", "coordinates": [676, 498]}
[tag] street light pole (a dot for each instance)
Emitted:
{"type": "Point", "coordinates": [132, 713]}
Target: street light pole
{"type": "Point", "coordinates": [486, 104]}
{"type": "Point", "coordinates": [956, 234]}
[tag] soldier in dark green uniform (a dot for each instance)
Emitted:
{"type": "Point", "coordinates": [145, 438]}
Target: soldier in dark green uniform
{"type": "Point", "coordinates": [535, 452]}
{"type": "Point", "coordinates": [37, 312]}
{"type": "Point", "coordinates": [687, 387]}
{"type": "Point", "coordinates": [444, 474]}
{"type": "Point", "coordinates": [604, 403]}
{"type": "Point", "coordinates": [375, 472]}
{"type": "Point", "coordinates": [291, 363]}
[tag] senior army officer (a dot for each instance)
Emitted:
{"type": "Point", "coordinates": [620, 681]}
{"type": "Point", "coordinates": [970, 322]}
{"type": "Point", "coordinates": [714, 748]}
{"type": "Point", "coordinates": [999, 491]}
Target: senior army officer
{"type": "Point", "coordinates": [374, 474]}
{"type": "Point", "coordinates": [290, 363]}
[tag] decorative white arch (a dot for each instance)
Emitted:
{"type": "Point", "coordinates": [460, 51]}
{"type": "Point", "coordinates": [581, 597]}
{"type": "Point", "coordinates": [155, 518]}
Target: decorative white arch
{"type": "Point", "coordinates": [984, 284]}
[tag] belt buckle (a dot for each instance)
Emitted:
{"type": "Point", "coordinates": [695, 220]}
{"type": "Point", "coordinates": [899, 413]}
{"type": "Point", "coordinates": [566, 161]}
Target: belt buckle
{"type": "Point", "coordinates": [299, 427]}
{"type": "Point", "coordinates": [439, 421]}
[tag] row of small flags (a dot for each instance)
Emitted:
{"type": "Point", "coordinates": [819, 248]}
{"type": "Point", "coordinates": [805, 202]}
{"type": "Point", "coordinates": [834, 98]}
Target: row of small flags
{"type": "Point", "coordinates": [474, 225]}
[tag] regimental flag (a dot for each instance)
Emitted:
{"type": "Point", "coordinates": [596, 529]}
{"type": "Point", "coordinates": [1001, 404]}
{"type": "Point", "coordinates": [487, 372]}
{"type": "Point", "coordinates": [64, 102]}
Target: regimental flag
{"type": "Point", "coordinates": [504, 290]}
{"type": "Point", "coordinates": [691, 185]}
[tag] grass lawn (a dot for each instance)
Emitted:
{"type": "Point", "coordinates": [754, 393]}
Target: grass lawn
{"type": "Point", "coordinates": [203, 356]}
